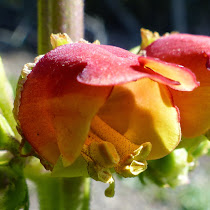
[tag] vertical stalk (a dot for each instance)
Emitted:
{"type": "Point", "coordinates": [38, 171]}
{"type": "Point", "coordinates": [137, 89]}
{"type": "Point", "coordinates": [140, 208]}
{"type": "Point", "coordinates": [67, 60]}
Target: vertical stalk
{"type": "Point", "coordinates": [44, 26]}
{"type": "Point", "coordinates": [62, 193]}
{"type": "Point", "coordinates": [67, 17]}
{"type": "Point", "coordinates": [61, 16]}
{"type": "Point", "coordinates": [76, 194]}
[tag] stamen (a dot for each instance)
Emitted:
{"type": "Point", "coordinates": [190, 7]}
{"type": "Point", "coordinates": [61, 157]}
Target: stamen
{"type": "Point", "coordinates": [97, 167]}
{"type": "Point", "coordinates": [109, 192]}
{"type": "Point", "coordinates": [101, 156]}
{"type": "Point", "coordinates": [132, 157]}
{"type": "Point", "coordinates": [104, 153]}
{"type": "Point", "coordinates": [123, 146]}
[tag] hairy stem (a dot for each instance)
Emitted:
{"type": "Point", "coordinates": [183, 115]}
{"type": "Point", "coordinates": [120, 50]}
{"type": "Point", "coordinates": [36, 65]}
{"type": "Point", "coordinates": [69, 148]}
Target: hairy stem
{"type": "Point", "coordinates": [59, 16]}
{"type": "Point", "coordinates": [44, 26]}
{"type": "Point", "coordinates": [67, 17]}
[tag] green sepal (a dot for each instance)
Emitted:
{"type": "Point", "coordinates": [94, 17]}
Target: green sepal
{"type": "Point", "coordinates": [148, 37]}
{"type": "Point", "coordinates": [59, 39]}
{"type": "Point", "coordinates": [26, 149]}
{"type": "Point", "coordinates": [135, 50]}
{"type": "Point", "coordinates": [77, 169]}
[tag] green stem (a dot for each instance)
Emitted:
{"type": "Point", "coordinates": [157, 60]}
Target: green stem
{"type": "Point", "coordinates": [67, 17]}
{"type": "Point", "coordinates": [62, 193]}
{"type": "Point", "coordinates": [75, 193]}
{"type": "Point", "coordinates": [44, 26]}
{"type": "Point", "coordinates": [61, 16]}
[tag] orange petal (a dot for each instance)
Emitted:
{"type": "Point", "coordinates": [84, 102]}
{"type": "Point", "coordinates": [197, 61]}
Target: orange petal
{"type": "Point", "coordinates": [55, 110]}
{"type": "Point", "coordinates": [194, 111]}
{"type": "Point", "coordinates": [187, 80]}
{"type": "Point", "coordinates": [143, 112]}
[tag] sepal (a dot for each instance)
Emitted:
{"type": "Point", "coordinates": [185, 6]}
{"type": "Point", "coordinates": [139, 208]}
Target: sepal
{"type": "Point", "coordinates": [78, 168]}
{"type": "Point", "coordinates": [148, 37]}
{"type": "Point", "coordinates": [59, 39]}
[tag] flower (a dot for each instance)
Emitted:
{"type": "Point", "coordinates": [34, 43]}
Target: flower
{"type": "Point", "coordinates": [101, 104]}
{"type": "Point", "coordinates": [193, 52]}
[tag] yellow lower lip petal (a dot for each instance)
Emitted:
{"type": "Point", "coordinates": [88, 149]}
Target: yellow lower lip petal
{"type": "Point", "coordinates": [148, 115]}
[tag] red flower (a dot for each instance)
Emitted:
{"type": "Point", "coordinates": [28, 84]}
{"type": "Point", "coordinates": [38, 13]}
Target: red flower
{"type": "Point", "coordinates": [101, 102]}
{"type": "Point", "coordinates": [193, 52]}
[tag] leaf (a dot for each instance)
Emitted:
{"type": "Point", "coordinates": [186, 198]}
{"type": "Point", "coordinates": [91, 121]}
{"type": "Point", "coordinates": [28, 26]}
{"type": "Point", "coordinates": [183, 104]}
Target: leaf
{"type": "Point", "coordinates": [6, 99]}
{"type": "Point", "coordinates": [7, 140]}
{"type": "Point", "coordinates": [5, 131]}
{"type": "Point", "coordinates": [13, 188]}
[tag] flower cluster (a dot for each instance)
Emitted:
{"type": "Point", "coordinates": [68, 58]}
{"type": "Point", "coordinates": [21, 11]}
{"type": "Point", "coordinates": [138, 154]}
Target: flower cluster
{"type": "Point", "coordinates": [91, 109]}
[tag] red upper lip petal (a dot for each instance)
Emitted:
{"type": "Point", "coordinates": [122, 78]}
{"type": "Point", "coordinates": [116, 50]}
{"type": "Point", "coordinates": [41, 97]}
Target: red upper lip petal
{"type": "Point", "coordinates": [184, 79]}
{"type": "Point", "coordinates": [117, 66]}
{"type": "Point", "coordinates": [101, 65]}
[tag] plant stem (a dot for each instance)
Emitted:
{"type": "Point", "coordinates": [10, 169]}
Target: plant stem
{"type": "Point", "coordinates": [61, 193]}
{"type": "Point", "coordinates": [67, 17]}
{"type": "Point", "coordinates": [44, 26]}
{"type": "Point", "coordinates": [75, 193]}
{"type": "Point", "coordinates": [59, 16]}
